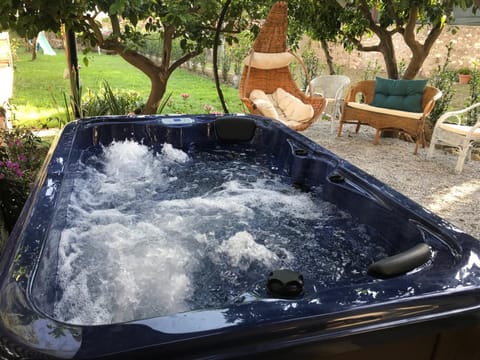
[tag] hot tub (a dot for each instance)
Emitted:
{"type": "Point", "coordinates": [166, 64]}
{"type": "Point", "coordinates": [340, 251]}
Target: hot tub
{"type": "Point", "coordinates": [231, 236]}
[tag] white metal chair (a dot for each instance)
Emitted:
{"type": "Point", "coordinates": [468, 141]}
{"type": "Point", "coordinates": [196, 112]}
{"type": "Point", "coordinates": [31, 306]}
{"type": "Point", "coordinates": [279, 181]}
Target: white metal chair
{"type": "Point", "coordinates": [455, 134]}
{"type": "Point", "coordinates": [332, 88]}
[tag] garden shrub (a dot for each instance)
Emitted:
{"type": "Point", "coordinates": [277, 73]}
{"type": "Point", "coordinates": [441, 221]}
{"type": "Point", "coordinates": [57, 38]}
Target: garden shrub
{"type": "Point", "coordinates": [202, 60]}
{"type": "Point", "coordinates": [372, 70]}
{"type": "Point", "coordinates": [474, 97]}
{"type": "Point", "coordinates": [443, 79]}
{"type": "Point", "coordinates": [152, 45]}
{"type": "Point", "coordinates": [107, 101]}
{"type": "Point", "coordinates": [21, 156]}
{"type": "Point", "coordinates": [226, 64]}
{"type": "Point", "coordinates": [311, 62]}
{"type": "Point", "coordinates": [239, 51]}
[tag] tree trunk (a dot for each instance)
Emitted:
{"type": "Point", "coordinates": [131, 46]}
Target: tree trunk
{"type": "Point", "coordinates": [26, 43]}
{"type": "Point", "coordinates": [415, 65]}
{"type": "Point", "coordinates": [158, 74]}
{"type": "Point", "coordinates": [388, 52]}
{"type": "Point", "coordinates": [157, 90]}
{"type": "Point", "coordinates": [419, 51]}
{"type": "Point", "coordinates": [34, 48]}
{"type": "Point", "coordinates": [385, 45]}
{"type": "Point", "coordinates": [328, 56]}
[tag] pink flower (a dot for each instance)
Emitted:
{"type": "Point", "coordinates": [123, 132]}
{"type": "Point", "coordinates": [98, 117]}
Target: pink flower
{"type": "Point", "coordinates": [18, 172]}
{"type": "Point", "coordinates": [208, 108]}
{"type": "Point", "coordinates": [2, 176]}
{"type": "Point", "coordinates": [19, 143]}
{"type": "Point", "coordinates": [22, 158]}
{"type": "Point", "coordinates": [12, 165]}
{"type": "Point", "coordinates": [185, 96]}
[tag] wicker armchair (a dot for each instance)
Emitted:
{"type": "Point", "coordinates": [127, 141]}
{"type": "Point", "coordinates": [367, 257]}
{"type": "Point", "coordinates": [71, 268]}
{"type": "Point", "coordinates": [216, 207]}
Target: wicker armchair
{"type": "Point", "coordinates": [272, 39]}
{"type": "Point", "coordinates": [381, 119]}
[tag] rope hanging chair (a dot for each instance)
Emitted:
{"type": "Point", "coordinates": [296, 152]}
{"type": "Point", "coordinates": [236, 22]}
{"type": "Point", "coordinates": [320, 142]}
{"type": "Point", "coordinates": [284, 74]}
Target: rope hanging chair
{"type": "Point", "coordinates": [266, 69]}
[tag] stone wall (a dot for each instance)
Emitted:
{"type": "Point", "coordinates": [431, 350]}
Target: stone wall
{"type": "Point", "coordinates": [466, 48]}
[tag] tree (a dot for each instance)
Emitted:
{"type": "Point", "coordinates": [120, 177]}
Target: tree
{"type": "Point", "coordinates": [320, 20]}
{"type": "Point", "coordinates": [193, 22]}
{"type": "Point", "coordinates": [353, 19]}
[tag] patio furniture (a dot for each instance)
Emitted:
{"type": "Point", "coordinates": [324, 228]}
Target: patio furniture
{"type": "Point", "coordinates": [267, 87]}
{"type": "Point", "coordinates": [332, 88]}
{"type": "Point", "coordinates": [365, 105]}
{"type": "Point", "coordinates": [463, 137]}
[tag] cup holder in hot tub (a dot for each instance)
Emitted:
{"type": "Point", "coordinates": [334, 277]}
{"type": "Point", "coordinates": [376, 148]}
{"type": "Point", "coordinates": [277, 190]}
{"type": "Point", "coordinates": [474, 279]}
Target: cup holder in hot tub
{"type": "Point", "coordinates": [285, 283]}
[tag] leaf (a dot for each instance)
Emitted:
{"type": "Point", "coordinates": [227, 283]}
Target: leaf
{"type": "Point", "coordinates": [443, 21]}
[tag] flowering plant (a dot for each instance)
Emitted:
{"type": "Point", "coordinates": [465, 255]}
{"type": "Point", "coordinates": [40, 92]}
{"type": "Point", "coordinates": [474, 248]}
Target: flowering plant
{"type": "Point", "coordinates": [20, 160]}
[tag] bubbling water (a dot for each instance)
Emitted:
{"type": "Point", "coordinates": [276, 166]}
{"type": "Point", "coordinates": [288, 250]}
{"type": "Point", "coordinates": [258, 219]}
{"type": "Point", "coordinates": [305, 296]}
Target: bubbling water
{"type": "Point", "coordinates": [152, 234]}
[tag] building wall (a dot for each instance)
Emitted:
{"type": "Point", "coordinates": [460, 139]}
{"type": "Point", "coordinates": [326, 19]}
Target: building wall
{"type": "Point", "coordinates": [466, 49]}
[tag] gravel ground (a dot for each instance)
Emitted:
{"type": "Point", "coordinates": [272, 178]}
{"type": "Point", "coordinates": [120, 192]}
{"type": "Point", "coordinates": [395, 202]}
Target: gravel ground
{"type": "Point", "coordinates": [431, 183]}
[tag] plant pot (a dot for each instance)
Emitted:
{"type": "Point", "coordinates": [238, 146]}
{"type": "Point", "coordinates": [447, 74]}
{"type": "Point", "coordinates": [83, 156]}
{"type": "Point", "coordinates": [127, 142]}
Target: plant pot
{"type": "Point", "coordinates": [464, 78]}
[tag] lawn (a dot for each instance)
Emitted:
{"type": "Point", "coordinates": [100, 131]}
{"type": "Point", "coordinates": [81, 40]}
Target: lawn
{"type": "Point", "coordinates": [39, 87]}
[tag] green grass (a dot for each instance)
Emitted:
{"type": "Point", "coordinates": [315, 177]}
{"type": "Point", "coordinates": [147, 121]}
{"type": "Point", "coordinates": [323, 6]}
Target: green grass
{"type": "Point", "coordinates": [39, 87]}
{"type": "Point", "coordinates": [35, 85]}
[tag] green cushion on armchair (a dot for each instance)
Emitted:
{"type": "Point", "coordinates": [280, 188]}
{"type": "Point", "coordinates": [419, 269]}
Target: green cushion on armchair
{"type": "Point", "coordinates": [403, 95]}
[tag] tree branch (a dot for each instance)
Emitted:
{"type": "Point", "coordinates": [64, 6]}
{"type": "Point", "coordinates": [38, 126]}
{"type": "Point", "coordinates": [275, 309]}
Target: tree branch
{"type": "Point", "coordinates": [368, 48]}
{"type": "Point", "coordinates": [394, 14]}
{"type": "Point", "coordinates": [97, 32]}
{"type": "Point", "coordinates": [365, 10]}
{"type": "Point", "coordinates": [115, 25]}
{"type": "Point", "coordinates": [140, 61]}
{"type": "Point", "coordinates": [409, 33]}
{"type": "Point", "coordinates": [432, 37]}
{"type": "Point", "coordinates": [95, 14]}
{"type": "Point", "coordinates": [378, 30]}
{"type": "Point", "coordinates": [168, 35]}
{"type": "Point", "coordinates": [362, 47]}
{"type": "Point", "coordinates": [182, 60]}
{"type": "Point", "coordinates": [143, 63]}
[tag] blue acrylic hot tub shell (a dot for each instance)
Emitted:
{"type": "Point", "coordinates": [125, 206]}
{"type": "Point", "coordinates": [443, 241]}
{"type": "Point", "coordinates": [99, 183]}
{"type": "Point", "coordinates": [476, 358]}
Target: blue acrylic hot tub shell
{"type": "Point", "coordinates": [444, 292]}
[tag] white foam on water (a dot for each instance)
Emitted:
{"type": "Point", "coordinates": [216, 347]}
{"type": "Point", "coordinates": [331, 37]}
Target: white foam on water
{"type": "Point", "coordinates": [151, 234]}
{"type": "Point", "coordinates": [108, 272]}
{"type": "Point", "coordinates": [170, 153]}
{"type": "Point", "coordinates": [242, 249]}
{"type": "Point", "coordinates": [127, 253]}
{"type": "Point", "coordinates": [127, 161]}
